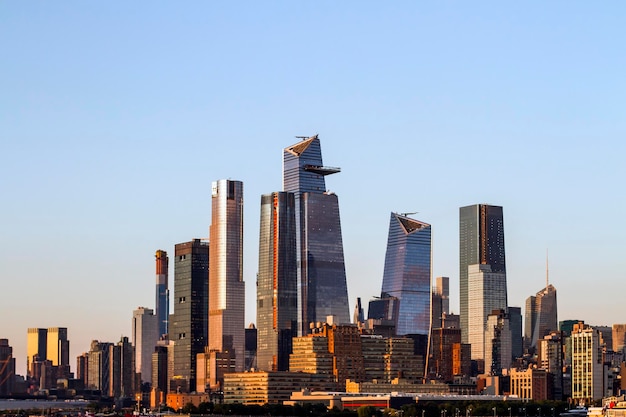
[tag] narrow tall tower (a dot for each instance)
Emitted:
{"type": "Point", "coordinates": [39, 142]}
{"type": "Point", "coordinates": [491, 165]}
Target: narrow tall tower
{"type": "Point", "coordinates": [277, 294]}
{"type": "Point", "coordinates": [162, 291]}
{"type": "Point", "coordinates": [189, 323]}
{"type": "Point", "coordinates": [321, 275]}
{"type": "Point", "coordinates": [226, 285]}
{"type": "Point", "coordinates": [481, 241]}
{"type": "Point", "coordinates": [407, 273]}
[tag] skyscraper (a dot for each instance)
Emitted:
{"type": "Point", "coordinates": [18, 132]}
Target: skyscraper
{"type": "Point", "coordinates": [226, 285]}
{"type": "Point", "coordinates": [36, 347]}
{"type": "Point", "coordinates": [144, 338]}
{"type": "Point", "coordinates": [486, 293]}
{"type": "Point", "coordinates": [58, 349]}
{"type": "Point", "coordinates": [277, 293]}
{"type": "Point", "coordinates": [541, 316]}
{"type": "Point", "coordinates": [481, 241]}
{"type": "Point", "coordinates": [321, 275]}
{"type": "Point", "coordinates": [162, 305]}
{"type": "Point", "coordinates": [498, 346]}
{"type": "Point", "coordinates": [189, 323]}
{"type": "Point", "coordinates": [407, 273]}
{"type": "Point", "coordinates": [440, 301]}
{"type": "Point", "coordinates": [7, 368]}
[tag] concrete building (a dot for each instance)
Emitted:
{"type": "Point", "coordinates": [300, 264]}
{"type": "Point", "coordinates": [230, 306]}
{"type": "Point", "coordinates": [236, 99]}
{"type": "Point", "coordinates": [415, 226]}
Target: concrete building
{"type": "Point", "coordinates": [531, 384]}
{"type": "Point", "coordinates": [261, 387]}
{"type": "Point", "coordinates": [145, 335]}
{"type": "Point", "coordinates": [587, 364]}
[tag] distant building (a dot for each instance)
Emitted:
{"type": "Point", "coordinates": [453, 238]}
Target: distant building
{"type": "Point", "coordinates": [162, 306]}
{"type": "Point", "coordinates": [486, 292]}
{"type": "Point", "coordinates": [445, 342]}
{"type": "Point", "coordinates": [359, 315]}
{"type": "Point", "coordinates": [481, 241]}
{"type": "Point", "coordinates": [189, 323]}
{"type": "Point", "coordinates": [251, 348]}
{"type": "Point", "coordinates": [36, 347]}
{"type": "Point", "coordinates": [440, 301]}
{"type": "Point", "coordinates": [531, 384]}
{"type": "Point", "coordinates": [160, 376]}
{"type": "Point", "coordinates": [145, 335]}
{"type": "Point", "coordinates": [258, 388]}
{"type": "Point", "coordinates": [7, 368]}
{"type": "Point", "coordinates": [121, 361]}
{"type": "Point", "coordinates": [407, 273]}
{"type": "Point", "coordinates": [619, 337]}
{"type": "Point", "coordinates": [517, 341]}
{"type": "Point", "coordinates": [541, 316]}
{"type": "Point", "coordinates": [58, 349]}
{"type": "Point", "coordinates": [99, 367]}
{"type": "Point", "coordinates": [587, 364]}
{"type": "Point", "coordinates": [498, 346]}
{"type": "Point", "coordinates": [550, 358]}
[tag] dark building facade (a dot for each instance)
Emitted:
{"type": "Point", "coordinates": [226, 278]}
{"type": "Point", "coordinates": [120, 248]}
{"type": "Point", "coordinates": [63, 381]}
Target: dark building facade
{"type": "Point", "coordinates": [407, 273]}
{"type": "Point", "coordinates": [189, 323]}
{"type": "Point", "coordinates": [277, 293]}
{"type": "Point", "coordinates": [481, 241]}
{"type": "Point", "coordinates": [321, 275]}
{"type": "Point", "coordinates": [7, 368]}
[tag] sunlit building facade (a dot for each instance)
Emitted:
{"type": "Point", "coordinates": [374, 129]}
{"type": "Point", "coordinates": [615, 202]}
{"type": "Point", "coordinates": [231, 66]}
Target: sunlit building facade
{"type": "Point", "coordinates": [226, 285]}
{"type": "Point", "coordinates": [277, 291]}
{"type": "Point", "coordinates": [541, 316]}
{"type": "Point", "coordinates": [145, 335]}
{"type": "Point", "coordinates": [481, 241]}
{"type": "Point", "coordinates": [407, 273]}
{"type": "Point", "coordinates": [486, 293]}
{"type": "Point", "coordinates": [321, 275]}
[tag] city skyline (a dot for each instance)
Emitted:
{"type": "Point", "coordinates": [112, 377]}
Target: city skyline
{"type": "Point", "coordinates": [111, 139]}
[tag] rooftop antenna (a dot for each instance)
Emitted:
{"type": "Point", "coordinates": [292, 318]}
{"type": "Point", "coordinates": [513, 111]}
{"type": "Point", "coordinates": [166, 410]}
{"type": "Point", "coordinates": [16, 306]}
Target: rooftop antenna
{"type": "Point", "coordinates": [408, 214]}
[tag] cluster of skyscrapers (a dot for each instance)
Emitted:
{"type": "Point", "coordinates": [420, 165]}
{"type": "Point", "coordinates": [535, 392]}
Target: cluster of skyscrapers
{"type": "Point", "coordinates": [303, 322]}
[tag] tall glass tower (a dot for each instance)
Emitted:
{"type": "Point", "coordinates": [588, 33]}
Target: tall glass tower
{"type": "Point", "coordinates": [162, 291]}
{"type": "Point", "coordinates": [481, 241]}
{"type": "Point", "coordinates": [226, 285]}
{"type": "Point", "coordinates": [321, 275]}
{"type": "Point", "coordinates": [407, 273]}
{"type": "Point", "coordinates": [277, 294]}
{"type": "Point", "coordinates": [189, 322]}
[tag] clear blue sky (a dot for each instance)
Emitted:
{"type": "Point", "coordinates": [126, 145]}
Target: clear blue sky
{"type": "Point", "coordinates": [116, 116]}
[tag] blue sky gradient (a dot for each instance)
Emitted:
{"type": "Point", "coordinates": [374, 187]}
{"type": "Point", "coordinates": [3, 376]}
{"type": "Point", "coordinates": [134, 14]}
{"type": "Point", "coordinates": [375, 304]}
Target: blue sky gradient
{"type": "Point", "coordinates": [115, 117]}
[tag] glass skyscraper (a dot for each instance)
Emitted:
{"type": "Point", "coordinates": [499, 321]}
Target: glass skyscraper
{"type": "Point", "coordinates": [277, 294]}
{"type": "Point", "coordinates": [226, 285]}
{"type": "Point", "coordinates": [162, 291]}
{"type": "Point", "coordinates": [321, 275]}
{"type": "Point", "coordinates": [189, 323]}
{"type": "Point", "coordinates": [407, 273]}
{"type": "Point", "coordinates": [481, 241]}
{"type": "Point", "coordinates": [541, 316]}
